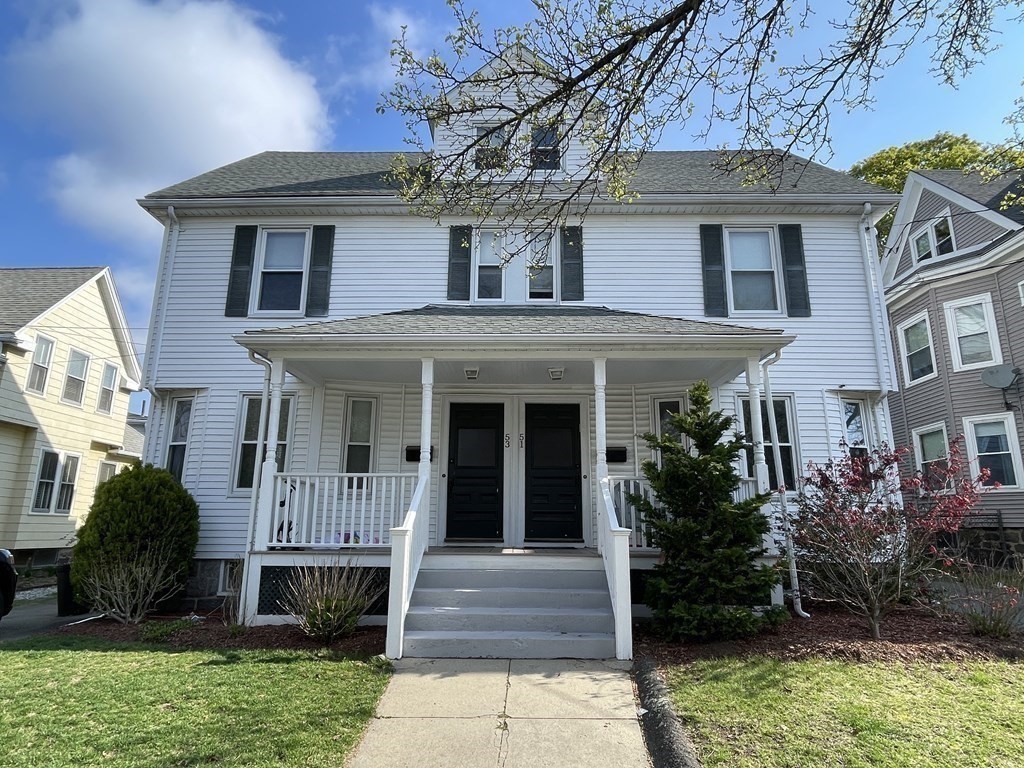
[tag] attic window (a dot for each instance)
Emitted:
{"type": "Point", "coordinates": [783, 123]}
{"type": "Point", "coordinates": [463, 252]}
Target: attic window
{"type": "Point", "coordinates": [936, 239]}
{"type": "Point", "coordinates": [545, 154]}
{"type": "Point", "coordinates": [491, 150]}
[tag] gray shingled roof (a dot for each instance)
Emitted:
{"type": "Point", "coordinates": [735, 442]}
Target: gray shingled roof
{"type": "Point", "coordinates": [134, 435]}
{"type": "Point", "coordinates": [27, 293]}
{"type": "Point", "coordinates": [461, 320]}
{"type": "Point", "coordinates": [989, 193]}
{"type": "Point", "coordinates": [312, 174]}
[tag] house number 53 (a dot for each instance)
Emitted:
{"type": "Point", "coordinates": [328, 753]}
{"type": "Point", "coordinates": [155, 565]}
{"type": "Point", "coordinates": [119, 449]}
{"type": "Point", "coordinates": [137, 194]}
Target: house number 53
{"type": "Point", "coordinates": [508, 440]}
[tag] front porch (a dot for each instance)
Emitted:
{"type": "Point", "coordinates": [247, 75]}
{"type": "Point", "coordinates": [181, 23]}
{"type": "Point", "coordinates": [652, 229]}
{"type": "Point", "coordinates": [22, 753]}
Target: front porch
{"type": "Point", "coordinates": [510, 446]}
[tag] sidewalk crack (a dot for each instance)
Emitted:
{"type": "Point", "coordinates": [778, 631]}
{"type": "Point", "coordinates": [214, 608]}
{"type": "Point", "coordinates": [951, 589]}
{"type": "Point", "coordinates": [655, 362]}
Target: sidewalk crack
{"type": "Point", "coordinates": [503, 746]}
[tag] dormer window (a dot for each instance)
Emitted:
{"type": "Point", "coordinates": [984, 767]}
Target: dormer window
{"type": "Point", "coordinates": [491, 148]}
{"type": "Point", "coordinates": [545, 154]}
{"type": "Point", "coordinates": [934, 240]}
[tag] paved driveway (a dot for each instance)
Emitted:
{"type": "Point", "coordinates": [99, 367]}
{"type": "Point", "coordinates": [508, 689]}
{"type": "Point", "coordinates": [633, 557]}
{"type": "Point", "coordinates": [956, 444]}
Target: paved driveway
{"type": "Point", "coordinates": [32, 617]}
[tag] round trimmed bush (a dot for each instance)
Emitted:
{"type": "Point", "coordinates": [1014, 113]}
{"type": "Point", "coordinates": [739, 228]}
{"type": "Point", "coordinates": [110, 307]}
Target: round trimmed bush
{"type": "Point", "coordinates": [141, 511]}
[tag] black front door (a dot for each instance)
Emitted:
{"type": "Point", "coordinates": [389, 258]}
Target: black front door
{"type": "Point", "coordinates": [476, 477]}
{"type": "Point", "coordinates": [554, 499]}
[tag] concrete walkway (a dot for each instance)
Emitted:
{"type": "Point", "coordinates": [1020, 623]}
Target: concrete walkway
{"type": "Point", "coordinates": [478, 713]}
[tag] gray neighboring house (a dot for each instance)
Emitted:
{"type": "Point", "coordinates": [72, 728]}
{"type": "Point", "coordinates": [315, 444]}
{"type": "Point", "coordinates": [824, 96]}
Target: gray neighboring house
{"type": "Point", "coordinates": [954, 284]}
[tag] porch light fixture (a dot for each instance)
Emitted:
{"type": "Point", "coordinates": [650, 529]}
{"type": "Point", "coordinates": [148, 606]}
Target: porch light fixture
{"type": "Point", "coordinates": [556, 374]}
{"type": "Point", "coordinates": [472, 374]}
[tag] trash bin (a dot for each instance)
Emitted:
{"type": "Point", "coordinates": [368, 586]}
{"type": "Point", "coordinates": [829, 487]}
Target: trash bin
{"type": "Point", "coordinates": [66, 603]}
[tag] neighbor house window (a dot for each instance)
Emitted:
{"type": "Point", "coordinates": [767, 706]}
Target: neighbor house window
{"type": "Point", "coordinates": [935, 239]}
{"type": "Point", "coordinates": [1020, 290]}
{"type": "Point", "coordinates": [545, 154]}
{"type": "Point", "coordinates": [108, 384]}
{"type": "Point", "coordinates": [972, 333]}
{"type": "Point", "coordinates": [787, 448]}
{"type": "Point", "coordinates": [915, 337]}
{"type": "Point", "coordinates": [992, 444]}
{"type": "Point", "coordinates": [74, 378]}
{"type": "Point", "coordinates": [931, 452]}
{"type": "Point", "coordinates": [490, 271]}
{"type": "Point", "coordinates": [540, 266]}
{"type": "Point", "coordinates": [181, 417]}
{"type": "Point", "coordinates": [283, 261]}
{"type": "Point", "coordinates": [55, 483]}
{"type": "Point", "coordinates": [107, 470]}
{"type": "Point", "coordinates": [491, 151]}
{"type": "Point", "coordinates": [752, 267]}
{"type": "Point", "coordinates": [39, 373]}
{"type": "Point", "coordinates": [248, 463]}
{"type": "Point", "coordinates": [361, 421]}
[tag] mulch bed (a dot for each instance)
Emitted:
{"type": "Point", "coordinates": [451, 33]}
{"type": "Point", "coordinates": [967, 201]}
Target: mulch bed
{"type": "Point", "coordinates": [908, 635]}
{"type": "Point", "coordinates": [211, 632]}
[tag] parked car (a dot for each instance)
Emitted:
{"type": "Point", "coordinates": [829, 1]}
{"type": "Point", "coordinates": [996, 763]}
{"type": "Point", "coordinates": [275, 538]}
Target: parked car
{"type": "Point", "coordinates": [8, 582]}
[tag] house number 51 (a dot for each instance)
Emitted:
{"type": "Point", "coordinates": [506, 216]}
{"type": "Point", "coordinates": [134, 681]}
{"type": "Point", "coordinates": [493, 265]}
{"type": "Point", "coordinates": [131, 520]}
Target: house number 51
{"type": "Point", "coordinates": [522, 440]}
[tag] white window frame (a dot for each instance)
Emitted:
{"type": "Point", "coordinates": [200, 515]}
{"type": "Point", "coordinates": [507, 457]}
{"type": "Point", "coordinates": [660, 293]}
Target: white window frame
{"type": "Point", "coordinates": [927, 429]}
{"type": "Point", "coordinates": [99, 471]}
{"type": "Point", "coordinates": [1020, 290]}
{"type": "Point", "coordinates": [58, 482]}
{"type": "Point", "coordinates": [949, 308]}
{"type": "Point", "coordinates": [656, 423]}
{"type": "Point", "coordinates": [929, 229]}
{"type": "Point", "coordinates": [474, 282]}
{"type": "Point", "coordinates": [559, 145]}
{"type": "Point", "coordinates": [47, 366]}
{"type": "Point", "coordinates": [257, 282]}
{"type": "Point", "coordinates": [374, 431]}
{"type": "Point", "coordinates": [794, 438]}
{"type": "Point", "coordinates": [1010, 424]}
{"type": "Point", "coordinates": [171, 443]}
{"type": "Point", "coordinates": [224, 576]}
{"type": "Point", "coordinates": [865, 416]}
{"type": "Point", "coordinates": [67, 375]}
{"type": "Point", "coordinates": [773, 246]}
{"type": "Point", "coordinates": [904, 354]}
{"type": "Point", "coordinates": [553, 260]}
{"type": "Point", "coordinates": [236, 463]}
{"type": "Point", "coordinates": [112, 389]}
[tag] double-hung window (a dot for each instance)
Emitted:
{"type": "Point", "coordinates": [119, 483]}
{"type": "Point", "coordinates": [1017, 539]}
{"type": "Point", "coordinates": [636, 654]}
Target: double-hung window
{"type": "Point", "coordinates": [177, 445]}
{"type": "Point", "coordinates": [931, 453]}
{"type": "Point", "coordinates": [491, 151]}
{"type": "Point", "coordinates": [545, 154]}
{"type": "Point", "coordinates": [752, 266]}
{"type": "Point", "coordinates": [540, 266]}
{"type": "Point", "coordinates": [282, 269]}
{"type": "Point", "coordinates": [106, 471]}
{"type": "Point", "coordinates": [248, 463]}
{"type": "Point", "coordinates": [359, 435]}
{"type": "Point", "coordinates": [39, 373]}
{"type": "Point", "coordinates": [75, 376]}
{"type": "Point", "coordinates": [787, 448]}
{"type": "Point", "coordinates": [55, 483]}
{"type": "Point", "coordinates": [992, 444]}
{"type": "Point", "coordinates": [933, 240]}
{"type": "Point", "coordinates": [108, 384]}
{"type": "Point", "coordinates": [972, 333]}
{"type": "Point", "coordinates": [915, 338]}
{"type": "Point", "coordinates": [855, 427]}
{"type": "Point", "coordinates": [490, 265]}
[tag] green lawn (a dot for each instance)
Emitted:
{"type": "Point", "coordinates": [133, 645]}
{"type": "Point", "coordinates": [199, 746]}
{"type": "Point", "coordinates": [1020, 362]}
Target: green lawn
{"type": "Point", "coordinates": [747, 713]}
{"type": "Point", "coordinates": [77, 702]}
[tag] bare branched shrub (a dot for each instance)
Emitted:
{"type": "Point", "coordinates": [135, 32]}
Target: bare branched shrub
{"type": "Point", "coordinates": [230, 610]}
{"type": "Point", "coordinates": [991, 599]}
{"type": "Point", "coordinates": [127, 585]}
{"type": "Point", "coordinates": [327, 600]}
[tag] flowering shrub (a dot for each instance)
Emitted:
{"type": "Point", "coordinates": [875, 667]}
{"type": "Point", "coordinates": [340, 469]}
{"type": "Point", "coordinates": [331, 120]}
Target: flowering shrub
{"type": "Point", "coordinates": [869, 536]}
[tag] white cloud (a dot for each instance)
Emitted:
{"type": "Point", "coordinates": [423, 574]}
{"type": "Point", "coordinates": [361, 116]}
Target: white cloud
{"type": "Point", "coordinates": [145, 94]}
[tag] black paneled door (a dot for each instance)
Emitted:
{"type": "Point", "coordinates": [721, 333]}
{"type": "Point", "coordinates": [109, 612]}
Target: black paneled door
{"type": "Point", "coordinates": [554, 506]}
{"type": "Point", "coordinates": [476, 477]}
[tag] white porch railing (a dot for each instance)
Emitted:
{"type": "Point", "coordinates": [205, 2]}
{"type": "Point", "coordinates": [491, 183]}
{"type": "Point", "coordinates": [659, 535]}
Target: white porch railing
{"type": "Point", "coordinates": [621, 487]}
{"type": "Point", "coordinates": [409, 541]}
{"type": "Point", "coordinates": [336, 511]}
{"type": "Point", "coordinates": [613, 542]}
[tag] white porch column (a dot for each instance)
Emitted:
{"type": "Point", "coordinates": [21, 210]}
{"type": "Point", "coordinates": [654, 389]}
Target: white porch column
{"type": "Point", "coordinates": [426, 407]}
{"type": "Point", "coordinates": [755, 426]}
{"type": "Point", "coordinates": [267, 496]}
{"type": "Point", "coordinates": [601, 426]}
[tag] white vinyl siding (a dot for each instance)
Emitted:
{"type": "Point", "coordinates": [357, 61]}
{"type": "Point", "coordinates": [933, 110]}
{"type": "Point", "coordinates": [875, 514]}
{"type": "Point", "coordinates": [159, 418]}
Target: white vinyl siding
{"type": "Point", "coordinates": [992, 444]}
{"type": "Point", "coordinates": [42, 359]}
{"type": "Point", "coordinates": [75, 377]}
{"type": "Point", "coordinates": [917, 355]}
{"type": "Point", "coordinates": [973, 341]}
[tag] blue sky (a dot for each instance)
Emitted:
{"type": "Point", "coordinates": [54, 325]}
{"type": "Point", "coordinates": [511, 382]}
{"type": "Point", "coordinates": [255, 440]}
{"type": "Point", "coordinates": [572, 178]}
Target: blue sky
{"type": "Point", "coordinates": [104, 101]}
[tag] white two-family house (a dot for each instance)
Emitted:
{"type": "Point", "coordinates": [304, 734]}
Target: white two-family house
{"type": "Point", "coordinates": [333, 376]}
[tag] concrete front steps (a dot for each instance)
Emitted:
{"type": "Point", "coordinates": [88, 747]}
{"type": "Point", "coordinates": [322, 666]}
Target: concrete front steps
{"type": "Point", "coordinates": [512, 613]}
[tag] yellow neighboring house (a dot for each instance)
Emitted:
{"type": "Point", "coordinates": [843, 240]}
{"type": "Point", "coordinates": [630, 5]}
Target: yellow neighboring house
{"type": "Point", "coordinates": [67, 369]}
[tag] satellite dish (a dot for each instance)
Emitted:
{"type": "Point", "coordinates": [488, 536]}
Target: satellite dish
{"type": "Point", "coordinates": [999, 376]}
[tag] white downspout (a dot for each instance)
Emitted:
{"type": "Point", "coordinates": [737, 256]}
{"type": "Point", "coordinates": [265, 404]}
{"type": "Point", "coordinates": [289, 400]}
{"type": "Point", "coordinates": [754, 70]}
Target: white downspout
{"type": "Point", "coordinates": [261, 441]}
{"type": "Point", "coordinates": [773, 429]}
{"type": "Point", "coordinates": [160, 299]}
{"type": "Point", "coordinates": [879, 315]}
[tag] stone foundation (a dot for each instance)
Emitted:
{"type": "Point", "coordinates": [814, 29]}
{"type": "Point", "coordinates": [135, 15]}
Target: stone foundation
{"type": "Point", "coordinates": [992, 546]}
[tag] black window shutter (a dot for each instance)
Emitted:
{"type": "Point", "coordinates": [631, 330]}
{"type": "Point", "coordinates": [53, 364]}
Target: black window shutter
{"type": "Point", "coordinates": [318, 296]}
{"type": "Point", "coordinates": [713, 263]}
{"type": "Point", "coordinates": [240, 279]}
{"type": "Point", "coordinates": [459, 262]}
{"type": "Point", "coordinates": [572, 263]}
{"type": "Point", "coordinates": [794, 272]}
